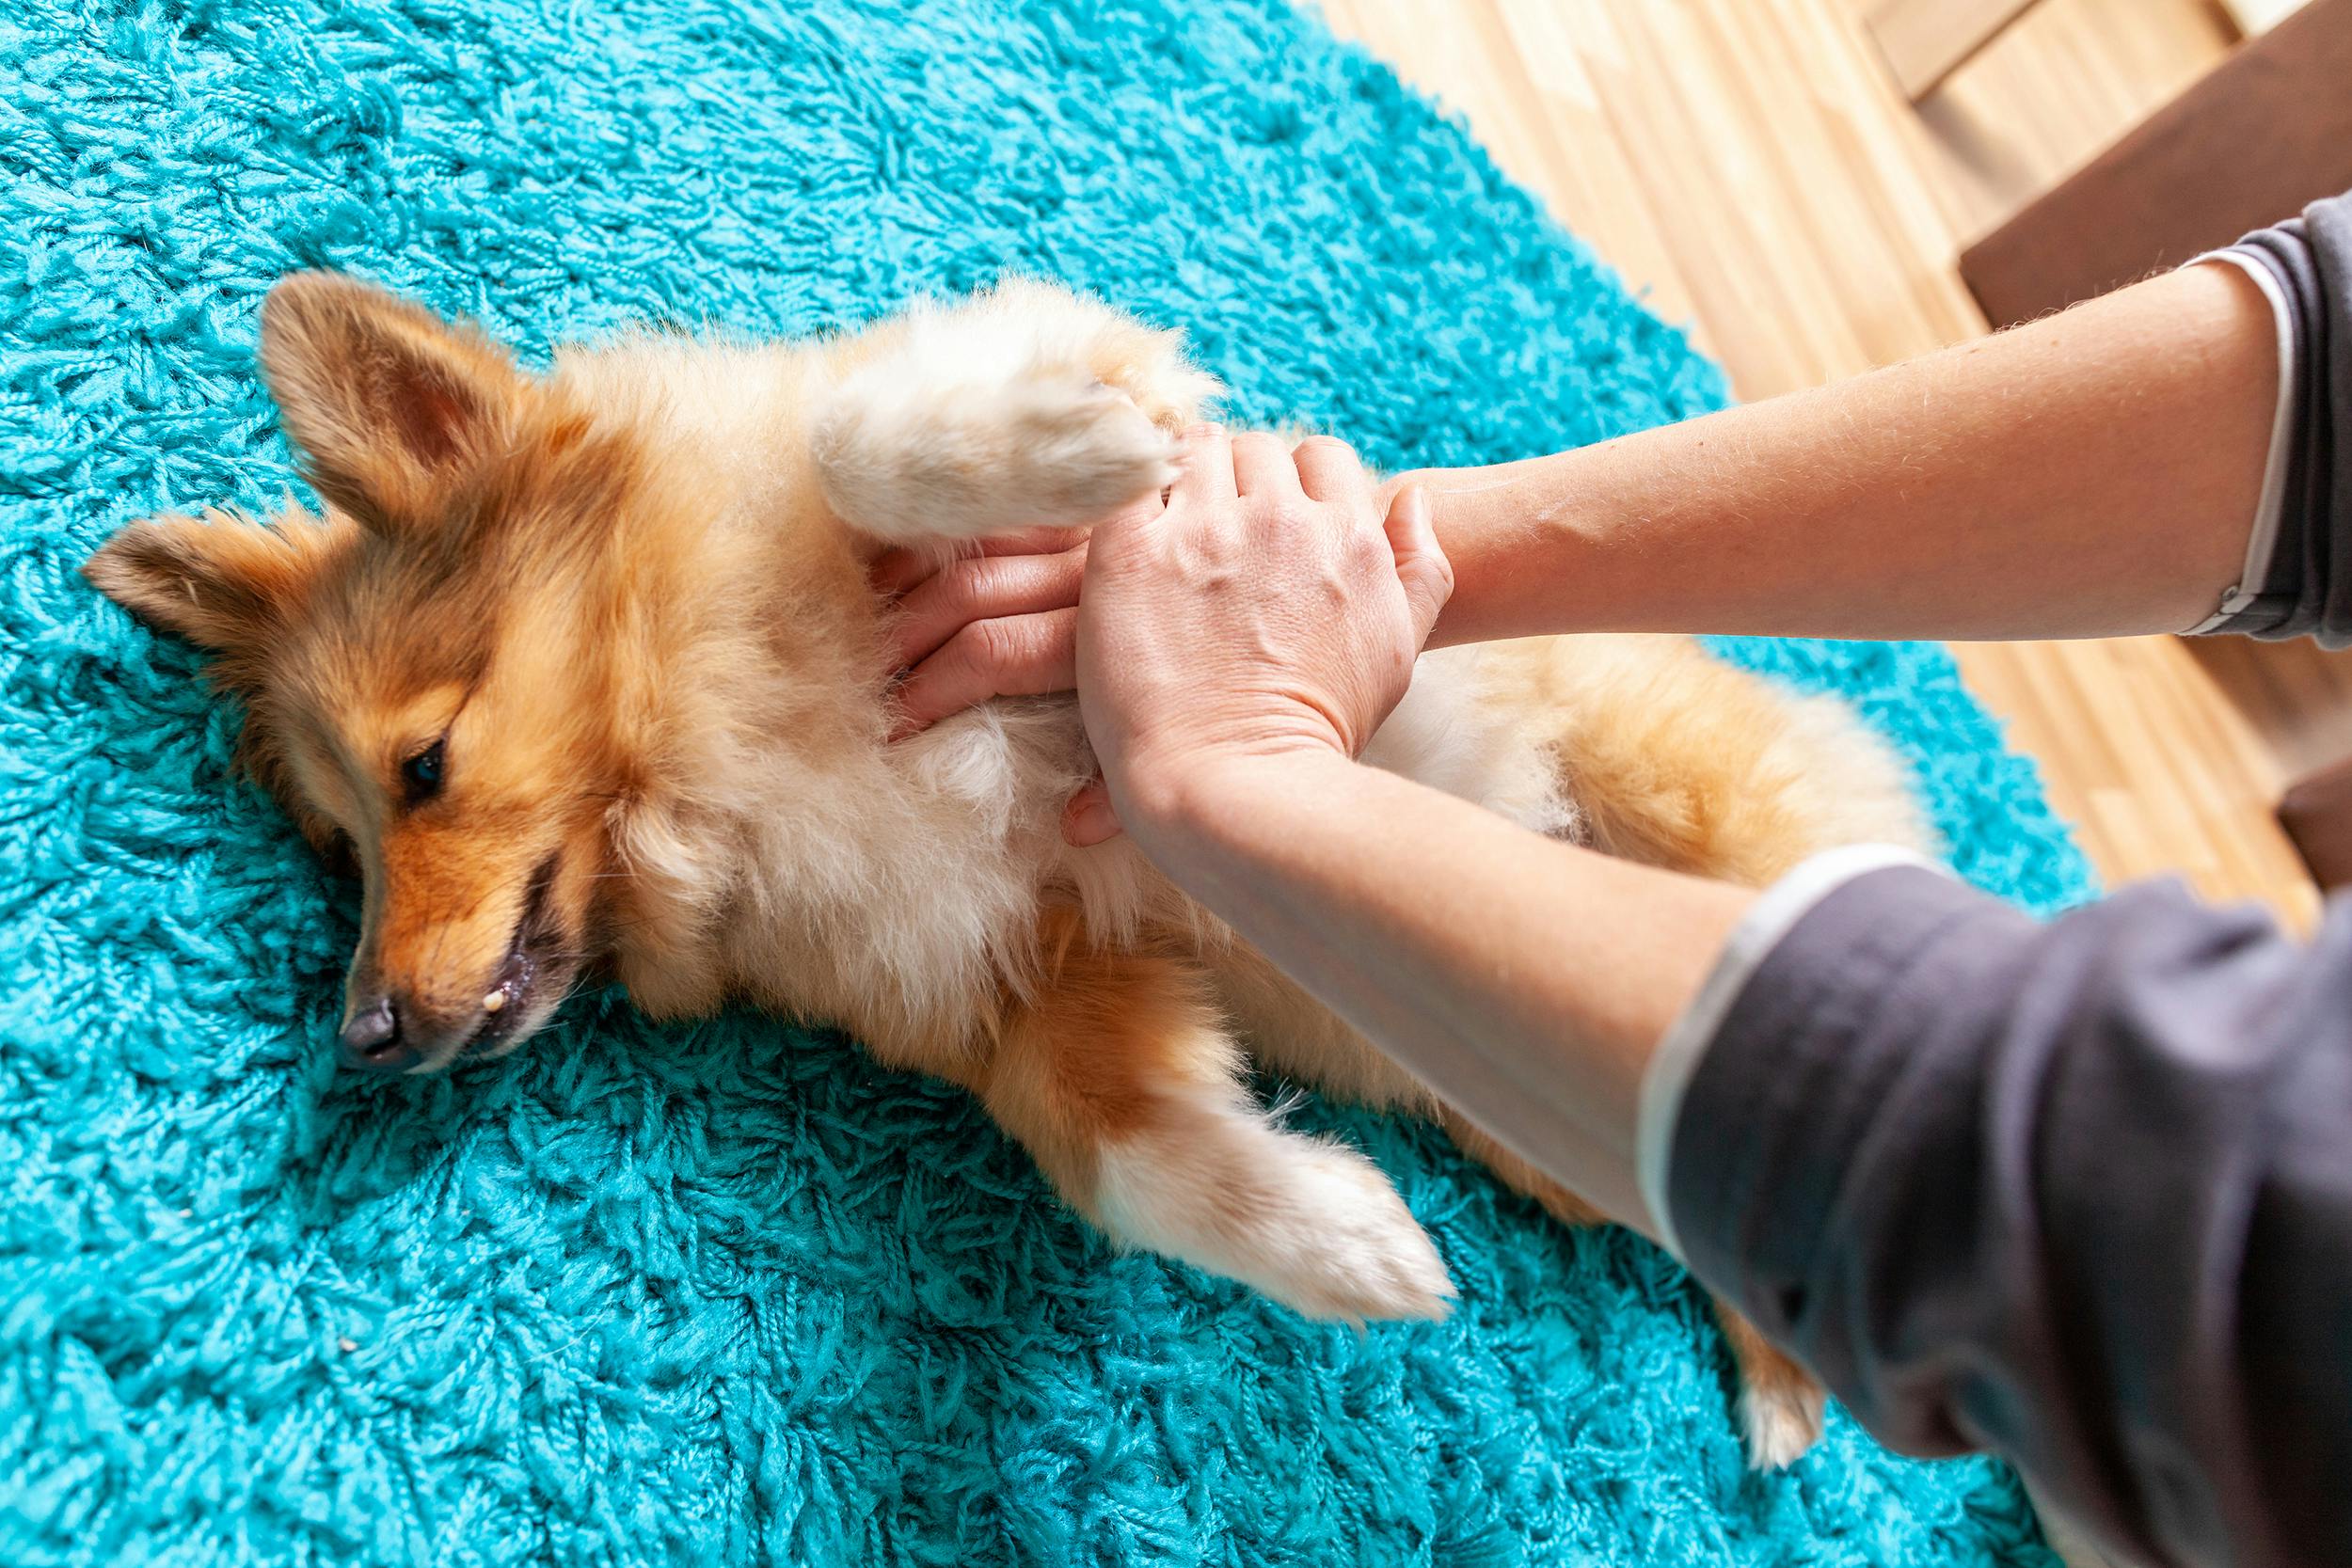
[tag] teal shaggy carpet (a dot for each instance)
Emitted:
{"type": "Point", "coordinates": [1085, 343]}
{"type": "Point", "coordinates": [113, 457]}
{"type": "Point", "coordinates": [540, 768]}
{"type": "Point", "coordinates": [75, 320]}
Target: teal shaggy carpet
{"type": "Point", "coordinates": [729, 1293]}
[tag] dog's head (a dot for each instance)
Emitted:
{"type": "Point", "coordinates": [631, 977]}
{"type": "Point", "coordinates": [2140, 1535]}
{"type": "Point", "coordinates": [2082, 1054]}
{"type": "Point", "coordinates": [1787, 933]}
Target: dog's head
{"type": "Point", "coordinates": [449, 674]}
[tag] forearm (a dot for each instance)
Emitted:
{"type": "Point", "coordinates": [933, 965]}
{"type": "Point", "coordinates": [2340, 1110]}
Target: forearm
{"type": "Point", "coordinates": [2093, 473]}
{"type": "Point", "coordinates": [1470, 950]}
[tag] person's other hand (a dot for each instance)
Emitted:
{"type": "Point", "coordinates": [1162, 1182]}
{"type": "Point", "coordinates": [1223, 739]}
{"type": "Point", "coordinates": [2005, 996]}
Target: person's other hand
{"type": "Point", "coordinates": [1270, 607]}
{"type": "Point", "coordinates": [1001, 623]}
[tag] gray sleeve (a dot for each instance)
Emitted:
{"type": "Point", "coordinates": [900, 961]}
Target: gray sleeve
{"type": "Point", "coordinates": [2080, 1193]}
{"type": "Point", "coordinates": [2305, 589]}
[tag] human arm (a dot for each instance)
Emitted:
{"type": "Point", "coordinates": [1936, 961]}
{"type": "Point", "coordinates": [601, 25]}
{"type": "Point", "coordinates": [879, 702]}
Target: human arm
{"type": "Point", "coordinates": [2165, 458]}
{"type": "Point", "coordinates": [2092, 473]}
{"type": "Point", "coordinates": [1234, 652]}
{"type": "Point", "coordinates": [2080, 1193]}
{"type": "Point", "coordinates": [1468, 949]}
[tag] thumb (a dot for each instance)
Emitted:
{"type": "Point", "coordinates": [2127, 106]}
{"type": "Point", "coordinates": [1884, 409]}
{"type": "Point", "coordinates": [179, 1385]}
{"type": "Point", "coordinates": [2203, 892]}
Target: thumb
{"type": "Point", "coordinates": [1088, 819]}
{"type": "Point", "coordinates": [1422, 567]}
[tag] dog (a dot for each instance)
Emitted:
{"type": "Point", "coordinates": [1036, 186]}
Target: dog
{"type": "Point", "coordinates": [585, 670]}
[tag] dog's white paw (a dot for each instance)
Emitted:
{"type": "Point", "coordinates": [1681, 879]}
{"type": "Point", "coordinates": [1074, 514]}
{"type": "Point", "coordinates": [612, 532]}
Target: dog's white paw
{"type": "Point", "coordinates": [950, 458]}
{"type": "Point", "coordinates": [1360, 1256]}
{"type": "Point", "coordinates": [1082, 448]}
{"type": "Point", "coordinates": [1780, 1420]}
{"type": "Point", "coordinates": [1024, 406]}
{"type": "Point", "coordinates": [1315, 1226]}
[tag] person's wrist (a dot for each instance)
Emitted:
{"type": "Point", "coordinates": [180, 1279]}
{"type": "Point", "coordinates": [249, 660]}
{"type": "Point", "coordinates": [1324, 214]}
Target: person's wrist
{"type": "Point", "coordinates": [1194, 793]}
{"type": "Point", "coordinates": [1458, 621]}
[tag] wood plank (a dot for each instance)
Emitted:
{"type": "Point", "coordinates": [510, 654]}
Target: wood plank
{"type": "Point", "coordinates": [2258, 16]}
{"type": "Point", "coordinates": [1925, 40]}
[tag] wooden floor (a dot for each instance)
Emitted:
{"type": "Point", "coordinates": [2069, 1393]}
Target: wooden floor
{"type": "Point", "coordinates": [1750, 167]}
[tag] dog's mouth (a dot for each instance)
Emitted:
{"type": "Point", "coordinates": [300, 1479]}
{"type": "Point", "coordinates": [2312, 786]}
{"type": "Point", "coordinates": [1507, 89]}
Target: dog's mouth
{"type": "Point", "coordinates": [521, 988]}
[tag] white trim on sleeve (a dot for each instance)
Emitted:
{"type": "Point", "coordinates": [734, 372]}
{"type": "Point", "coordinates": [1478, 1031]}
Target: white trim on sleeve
{"type": "Point", "coordinates": [1685, 1042]}
{"type": "Point", "coordinates": [2262, 541]}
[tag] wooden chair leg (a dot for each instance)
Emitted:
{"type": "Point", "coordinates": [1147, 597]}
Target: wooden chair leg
{"type": "Point", "coordinates": [2181, 183]}
{"type": "Point", "coordinates": [2317, 815]}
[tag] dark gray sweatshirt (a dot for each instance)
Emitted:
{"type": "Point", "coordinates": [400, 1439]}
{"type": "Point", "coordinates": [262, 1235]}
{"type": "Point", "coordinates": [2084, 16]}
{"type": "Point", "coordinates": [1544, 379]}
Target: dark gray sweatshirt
{"type": "Point", "coordinates": [2079, 1192]}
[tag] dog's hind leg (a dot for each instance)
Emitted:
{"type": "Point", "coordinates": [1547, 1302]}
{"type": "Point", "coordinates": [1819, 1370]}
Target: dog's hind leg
{"type": "Point", "coordinates": [1029, 405]}
{"type": "Point", "coordinates": [1120, 1078]}
{"type": "Point", "coordinates": [1676, 759]}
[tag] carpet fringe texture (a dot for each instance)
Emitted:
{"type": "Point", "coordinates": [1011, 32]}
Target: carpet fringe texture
{"type": "Point", "coordinates": [728, 1293]}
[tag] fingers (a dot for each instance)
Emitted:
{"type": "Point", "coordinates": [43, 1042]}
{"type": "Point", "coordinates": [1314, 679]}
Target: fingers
{"type": "Point", "coordinates": [1422, 567]}
{"type": "Point", "coordinates": [986, 588]}
{"type": "Point", "coordinates": [1020, 656]}
{"type": "Point", "coordinates": [897, 570]}
{"type": "Point", "coordinates": [1263, 467]}
{"type": "Point", "coordinates": [1328, 471]}
{"type": "Point", "coordinates": [1088, 819]}
{"type": "Point", "coordinates": [1208, 460]}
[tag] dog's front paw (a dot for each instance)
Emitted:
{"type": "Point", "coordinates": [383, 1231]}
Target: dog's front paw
{"type": "Point", "coordinates": [1026, 405]}
{"type": "Point", "coordinates": [943, 460]}
{"type": "Point", "coordinates": [1082, 447]}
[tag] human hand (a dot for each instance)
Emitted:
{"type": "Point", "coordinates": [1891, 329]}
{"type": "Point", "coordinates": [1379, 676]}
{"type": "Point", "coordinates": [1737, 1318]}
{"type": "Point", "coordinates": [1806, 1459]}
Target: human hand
{"type": "Point", "coordinates": [1001, 623]}
{"type": "Point", "coordinates": [1269, 608]}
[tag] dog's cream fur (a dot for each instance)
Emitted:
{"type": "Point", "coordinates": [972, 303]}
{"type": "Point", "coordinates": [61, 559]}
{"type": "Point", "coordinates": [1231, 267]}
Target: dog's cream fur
{"type": "Point", "coordinates": [630, 597]}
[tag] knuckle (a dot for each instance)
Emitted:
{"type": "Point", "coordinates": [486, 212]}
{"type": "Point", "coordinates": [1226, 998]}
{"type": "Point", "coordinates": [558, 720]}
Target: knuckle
{"type": "Point", "coordinates": [962, 658]}
{"type": "Point", "coordinates": [1329, 446]}
{"type": "Point", "coordinates": [984, 644]}
{"type": "Point", "coordinates": [963, 585]}
{"type": "Point", "coordinates": [1285, 513]}
{"type": "Point", "coordinates": [1007, 648]}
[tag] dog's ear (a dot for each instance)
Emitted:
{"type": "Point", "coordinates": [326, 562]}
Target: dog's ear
{"type": "Point", "coordinates": [387, 401]}
{"type": "Point", "coordinates": [227, 583]}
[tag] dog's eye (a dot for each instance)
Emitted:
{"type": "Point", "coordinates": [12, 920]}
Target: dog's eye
{"type": "Point", "coordinates": [420, 775]}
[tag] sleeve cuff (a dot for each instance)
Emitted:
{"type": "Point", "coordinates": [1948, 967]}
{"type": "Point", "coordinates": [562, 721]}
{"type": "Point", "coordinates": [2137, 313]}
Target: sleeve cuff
{"type": "Point", "coordinates": [1684, 1044]}
{"type": "Point", "coordinates": [2262, 541]}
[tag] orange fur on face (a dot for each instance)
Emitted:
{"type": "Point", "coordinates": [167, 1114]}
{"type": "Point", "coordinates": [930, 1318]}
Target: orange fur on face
{"type": "Point", "coordinates": [495, 575]}
{"type": "Point", "coordinates": [622, 610]}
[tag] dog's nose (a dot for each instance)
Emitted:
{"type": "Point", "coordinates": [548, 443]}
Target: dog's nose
{"type": "Point", "coordinates": [371, 1041]}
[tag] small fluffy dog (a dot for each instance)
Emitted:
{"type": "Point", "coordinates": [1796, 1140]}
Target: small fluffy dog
{"type": "Point", "coordinates": [584, 670]}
